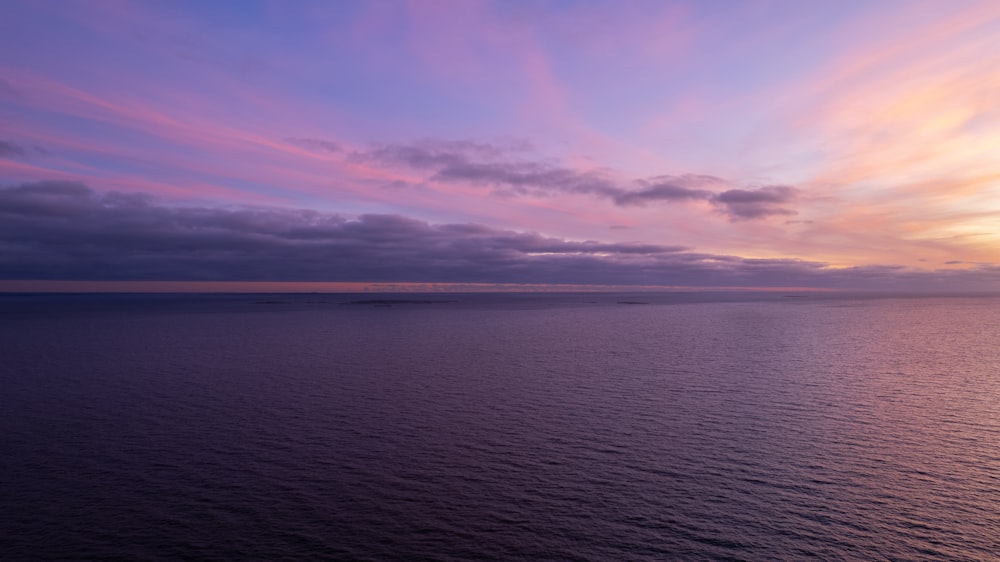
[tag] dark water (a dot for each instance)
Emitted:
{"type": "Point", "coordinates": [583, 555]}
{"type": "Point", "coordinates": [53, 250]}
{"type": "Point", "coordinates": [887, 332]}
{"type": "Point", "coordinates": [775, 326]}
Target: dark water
{"type": "Point", "coordinates": [528, 427]}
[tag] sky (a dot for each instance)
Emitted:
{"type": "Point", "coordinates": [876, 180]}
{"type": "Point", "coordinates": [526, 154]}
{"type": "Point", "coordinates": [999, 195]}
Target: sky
{"type": "Point", "coordinates": [704, 143]}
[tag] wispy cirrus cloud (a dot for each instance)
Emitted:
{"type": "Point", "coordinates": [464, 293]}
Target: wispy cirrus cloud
{"type": "Point", "coordinates": [66, 230]}
{"type": "Point", "coordinates": [509, 173]}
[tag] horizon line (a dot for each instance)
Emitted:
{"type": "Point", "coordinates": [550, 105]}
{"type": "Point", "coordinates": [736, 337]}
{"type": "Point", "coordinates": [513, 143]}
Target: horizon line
{"type": "Point", "coordinates": [82, 286]}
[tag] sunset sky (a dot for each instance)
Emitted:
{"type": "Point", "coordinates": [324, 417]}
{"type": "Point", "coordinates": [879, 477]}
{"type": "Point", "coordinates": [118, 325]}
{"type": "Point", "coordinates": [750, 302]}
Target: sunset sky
{"type": "Point", "coordinates": [828, 144]}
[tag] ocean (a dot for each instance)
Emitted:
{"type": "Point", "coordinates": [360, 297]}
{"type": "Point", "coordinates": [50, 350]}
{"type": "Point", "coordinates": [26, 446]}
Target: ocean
{"type": "Point", "coordinates": [646, 426]}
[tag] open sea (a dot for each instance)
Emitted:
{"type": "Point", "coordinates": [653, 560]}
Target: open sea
{"type": "Point", "coordinates": [669, 426]}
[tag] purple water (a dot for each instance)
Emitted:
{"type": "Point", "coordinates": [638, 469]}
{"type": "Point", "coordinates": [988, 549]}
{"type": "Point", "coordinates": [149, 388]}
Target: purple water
{"type": "Point", "coordinates": [499, 427]}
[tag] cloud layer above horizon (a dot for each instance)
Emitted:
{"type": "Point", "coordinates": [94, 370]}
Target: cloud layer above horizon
{"type": "Point", "coordinates": [67, 231]}
{"type": "Point", "coordinates": [830, 144]}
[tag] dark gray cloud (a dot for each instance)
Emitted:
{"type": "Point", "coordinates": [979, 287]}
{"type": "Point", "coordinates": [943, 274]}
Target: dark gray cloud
{"type": "Point", "coordinates": [486, 164]}
{"type": "Point", "coordinates": [500, 168]}
{"type": "Point", "coordinates": [668, 188]}
{"type": "Point", "coordinates": [11, 150]}
{"type": "Point", "coordinates": [65, 230]}
{"type": "Point", "coordinates": [315, 145]}
{"type": "Point", "coordinates": [757, 203]}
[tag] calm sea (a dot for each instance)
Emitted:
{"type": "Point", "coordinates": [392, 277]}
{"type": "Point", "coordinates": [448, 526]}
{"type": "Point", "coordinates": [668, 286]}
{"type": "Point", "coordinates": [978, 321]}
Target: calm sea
{"type": "Point", "coordinates": [499, 427]}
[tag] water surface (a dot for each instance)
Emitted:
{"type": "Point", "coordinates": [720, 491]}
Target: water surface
{"type": "Point", "coordinates": [541, 427]}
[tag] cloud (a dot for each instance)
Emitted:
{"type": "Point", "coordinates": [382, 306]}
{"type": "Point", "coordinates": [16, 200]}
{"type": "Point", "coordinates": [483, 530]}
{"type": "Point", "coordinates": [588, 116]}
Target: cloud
{"type": "Point", "coordinates": [11, 150]}
{"type": "Point", "coordinates": [486, 164]}
{"type": "Point", "coordinates": [65, 230]}
{"type": "Point", "coordinates": [668, 188]}
{"type": "Point", "coordinates": [502, 169]}
{"type": "Point", "coordinates": [758, 203]}
{"type": "Point", "coordinates": [315, 145]}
